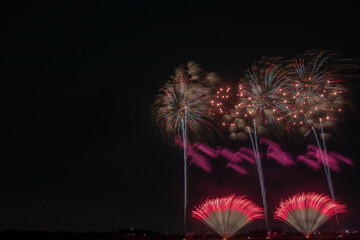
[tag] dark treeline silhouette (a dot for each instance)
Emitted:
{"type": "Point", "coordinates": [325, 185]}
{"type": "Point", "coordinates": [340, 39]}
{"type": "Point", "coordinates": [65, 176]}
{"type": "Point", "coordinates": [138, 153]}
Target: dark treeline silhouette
{"type": "Point", "coordinates": [278, 234]}
{"type": "Point", "coordinates": [139, 234]}
{"type": "Point", "coordinates": [126, 234]}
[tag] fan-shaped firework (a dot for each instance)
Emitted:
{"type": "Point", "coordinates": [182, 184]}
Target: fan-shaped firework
{"type": "Point", "coordinates": [185, 103]}
{"type": "Point", "coordinates": [228, 214]}
{"type": "Point", "coordinates": [308, 211]}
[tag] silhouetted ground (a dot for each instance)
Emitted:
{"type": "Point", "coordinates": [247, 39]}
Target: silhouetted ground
{"type": "Point", "coordinates": [119, 235]}
{"type": "Point", "coordinates": [149, 235]}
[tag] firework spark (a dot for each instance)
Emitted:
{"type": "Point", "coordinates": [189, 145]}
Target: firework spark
{"type": "Point", "coordinates": [308, 211]}
{"type": "Point", "coordinates": [227, 215]}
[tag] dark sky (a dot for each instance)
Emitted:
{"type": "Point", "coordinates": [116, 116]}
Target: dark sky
{"type": "Point", "coordinates": [79, 151]}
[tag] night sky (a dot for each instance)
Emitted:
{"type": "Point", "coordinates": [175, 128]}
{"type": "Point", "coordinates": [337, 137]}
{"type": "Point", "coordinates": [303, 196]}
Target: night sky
{"type": "Point", "coordinates": [79, 149]}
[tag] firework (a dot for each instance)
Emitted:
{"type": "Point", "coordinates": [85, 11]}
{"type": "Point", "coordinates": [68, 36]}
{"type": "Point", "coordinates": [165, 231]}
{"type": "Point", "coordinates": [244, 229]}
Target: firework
{"type": "Point", "coordinates": [308, 211]}
{"type": "Point", "coordinates": [183, 104]}
{"type": "Point", "coordinates": [320, 100]}
{"type": "Point", "coordinates": [221, 107]}
{"type": "Point", "coordinates": [221, 101]}
{"type": "Point", "coordinates": [227, 215]}
{"type": "Point", "coordinates": [263, 97]}
{"type": "Point", "coordinates": [262, 102]}
{"type": "Point", "coordinates": [320, 96]}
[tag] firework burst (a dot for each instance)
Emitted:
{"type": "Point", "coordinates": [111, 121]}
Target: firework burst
{"type": "Point", "coordinates": [227, 215]}
{"type": "Point", "coordinates": [186, 99]}
{"type": "Point", "coordinates": [319, 93]}
{"type": "Point", "coordinates": [308, 211]}
{"type": "Point", "coordinates": [263, 96]}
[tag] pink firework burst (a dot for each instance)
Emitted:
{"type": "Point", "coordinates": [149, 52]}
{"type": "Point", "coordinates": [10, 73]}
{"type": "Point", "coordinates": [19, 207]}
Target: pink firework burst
{"type": "Point", "coordinates": [308, 211]}
{"type": "Point", "coordinates": [227, 215]}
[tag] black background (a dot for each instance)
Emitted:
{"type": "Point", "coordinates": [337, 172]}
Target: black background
{"type": "Point", "coordinates": [79, 150]}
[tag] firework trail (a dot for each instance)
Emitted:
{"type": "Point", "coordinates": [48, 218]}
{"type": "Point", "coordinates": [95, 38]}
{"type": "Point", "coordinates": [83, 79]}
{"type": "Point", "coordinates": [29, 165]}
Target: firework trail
{"type": "Point", "coordinates": [326, 166]}
{"type": "Point", "coordinates": [260, 173]}
{"type": "Point", "coordinates": [237, 168]}
{"type": "Point", "coordinates": [228, 154]}
{"type": "Point", "coordinates": [339, 157]}
{"type": "Point", "coordinates": [275, 152]}
{"type": "Point", "coordinates": [205, 149]}
{"type": "Point", "coordinates": [199, 160]}
{"type": "Point", "coordinates": [182, 109]}
{"type": "Point", "coordinates": [308, 161]}
{"type": "Point", "coordinates": [227, 215]}
{"type": "Point", "coordinates": [308, 211]}
{"type": "Point", "coordinates": [315, 153]}
{"type": "Point", "coordinates": [313, 158]}
{"type": "Point", "coordinates": [247, 154]}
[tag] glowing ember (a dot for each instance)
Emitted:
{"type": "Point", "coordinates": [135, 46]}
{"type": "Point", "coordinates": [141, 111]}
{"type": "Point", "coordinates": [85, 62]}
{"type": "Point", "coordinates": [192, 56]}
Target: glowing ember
{"type": "Point", "coordinates": [228, 214]}
{"type": "Point", "coordinates": [308, 211]}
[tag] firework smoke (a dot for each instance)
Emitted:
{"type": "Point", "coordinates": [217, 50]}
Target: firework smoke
{"type": "Point", "coordinates": [227, 215]}
{"type": "Point", "coordinates": [308, 211]}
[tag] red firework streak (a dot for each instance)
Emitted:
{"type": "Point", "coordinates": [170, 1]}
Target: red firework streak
{"type": "Point", "coordinates": [227, 215]}
{"type": "Point", "coordinates": [308, 211]}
